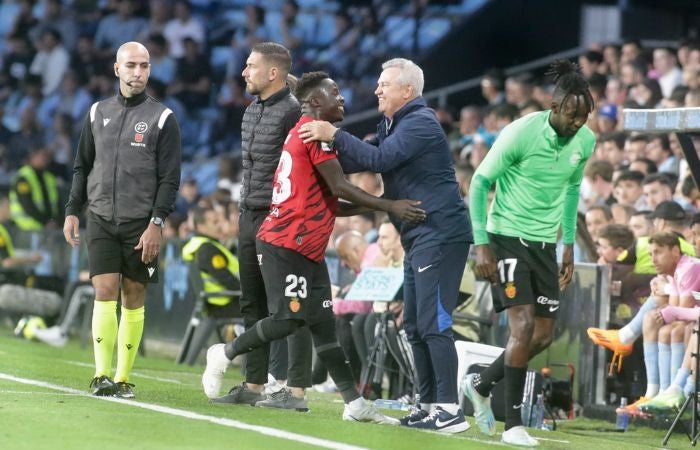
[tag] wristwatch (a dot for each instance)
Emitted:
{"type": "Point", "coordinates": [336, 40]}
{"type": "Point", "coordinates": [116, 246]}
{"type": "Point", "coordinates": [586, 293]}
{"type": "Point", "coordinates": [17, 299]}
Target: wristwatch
{"type": "Point", "coordinates": [158, 221]}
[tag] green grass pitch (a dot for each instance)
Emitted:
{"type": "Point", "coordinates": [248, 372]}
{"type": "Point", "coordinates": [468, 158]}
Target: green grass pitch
{"type": "Point", "coordinates": [43, 405]}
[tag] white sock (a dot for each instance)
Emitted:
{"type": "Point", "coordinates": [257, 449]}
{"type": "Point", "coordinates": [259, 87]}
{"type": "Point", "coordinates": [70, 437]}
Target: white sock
{"type": "Point", "coordinates": [627, 335]}
{"type": "Point", "coordinates": [452, 408]}
{"type": "Point", "coordinates": [673, 389]}
{"type": "Point", "coordinates": [652, 390]}
{"type": "Point", "coordinates": [633, 329]}
{"type": "Point", "coordinates": [357, 403]}
{"type": "Point", "coordinates": [426, 406]}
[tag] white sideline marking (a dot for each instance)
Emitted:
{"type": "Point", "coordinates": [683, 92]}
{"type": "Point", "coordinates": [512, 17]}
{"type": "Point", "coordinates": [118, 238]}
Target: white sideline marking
{"type": "Point", "coordinates": [10, 391]}
{"type": "Point", "coordinates": [267, 431]}
{"type": "Point", "coordinates": [136, 374]}
{"type": "Point", "coordinates": [551, 440]}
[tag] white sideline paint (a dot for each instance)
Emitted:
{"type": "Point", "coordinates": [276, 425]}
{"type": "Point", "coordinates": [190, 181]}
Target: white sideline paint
{"type": "Point", "coordinates": [267, 431]}
{"type": "Point", "coordinates": [54, 394]}
{"type": "Point", "coordinates": [135, 374]}
{"type": "Point", "coordinates": [551, 440]}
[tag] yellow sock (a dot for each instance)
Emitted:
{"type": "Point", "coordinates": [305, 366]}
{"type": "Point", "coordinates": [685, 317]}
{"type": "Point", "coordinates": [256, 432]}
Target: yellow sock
{"type": "Point", "coordinates": [104, 333]}
{"type": "Point", "coordinates": [130, 332]}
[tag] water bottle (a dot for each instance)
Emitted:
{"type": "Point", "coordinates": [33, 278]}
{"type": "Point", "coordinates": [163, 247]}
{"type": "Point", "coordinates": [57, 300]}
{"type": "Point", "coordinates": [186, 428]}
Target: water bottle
{"type": "Point", "coordinates": [538, 413]}
{"type": "Point", "coordinates": [389, 404]}
{"type": "Point", "coordinates": [527, 408]}
{"type": "Point", "coordinates": [622, 415]}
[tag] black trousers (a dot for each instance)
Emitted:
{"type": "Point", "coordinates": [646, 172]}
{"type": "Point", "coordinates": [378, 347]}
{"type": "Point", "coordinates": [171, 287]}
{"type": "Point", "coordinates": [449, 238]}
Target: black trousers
{"type": "Point", "coordinates": [273, 357]}
{"type": "Point", "coordinates": [344, 333]}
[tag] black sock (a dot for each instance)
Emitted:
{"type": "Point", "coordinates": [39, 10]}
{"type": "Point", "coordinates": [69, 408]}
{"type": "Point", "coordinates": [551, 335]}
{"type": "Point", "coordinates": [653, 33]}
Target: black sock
{"type": "Point", "coordinates": [266, 330]}
{"type": "Point", "coordinates": [486, 380]}
{"type": "Point", "coordinates": [515, 385]}
{"type": "Point", "coordinates": [333, 357]}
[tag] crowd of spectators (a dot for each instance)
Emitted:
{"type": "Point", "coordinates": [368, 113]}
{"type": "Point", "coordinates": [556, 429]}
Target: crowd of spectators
{"type": "Point", "coordinates": [630, 174]}
{"type": "Point", "coordinates": [56, 59]}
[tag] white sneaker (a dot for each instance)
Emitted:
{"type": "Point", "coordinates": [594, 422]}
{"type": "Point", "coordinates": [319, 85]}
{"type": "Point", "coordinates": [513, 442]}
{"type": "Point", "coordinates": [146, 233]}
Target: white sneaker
{"type": "Point", "coordinates": [213, 375]}
{"type": "Point", "coordinates": [52, 336]}
{"type": "Point", "coordinates": [518, 436]}
{"type": "Point", "coordinates": [327, 386]}
{"type": "Point", "coordinates": [367, 413]}
{"type": "Point", "coordinates": [272, 385]}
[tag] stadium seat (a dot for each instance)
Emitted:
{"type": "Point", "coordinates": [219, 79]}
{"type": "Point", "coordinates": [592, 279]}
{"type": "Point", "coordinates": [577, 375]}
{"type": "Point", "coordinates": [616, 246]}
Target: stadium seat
{"type": "Point", "coordinates": [401, 34]}
{"type": "Point", "coordinates": [432, 30]}
{"type": "Point", "coordinates": [206, 318]}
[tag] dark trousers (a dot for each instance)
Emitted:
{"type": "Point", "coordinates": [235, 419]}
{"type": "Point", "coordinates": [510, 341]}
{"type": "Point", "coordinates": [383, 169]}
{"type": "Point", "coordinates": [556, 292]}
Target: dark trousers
{"type": "Point", "coordinates": [344, 333]}
{"type": "Point", "coordinates": [431, 289]}
{"type": "Point", "coordinates": [253, 303]}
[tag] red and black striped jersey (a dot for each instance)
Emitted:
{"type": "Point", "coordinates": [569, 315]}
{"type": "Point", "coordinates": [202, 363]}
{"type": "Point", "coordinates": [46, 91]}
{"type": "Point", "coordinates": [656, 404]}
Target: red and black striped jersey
{"type": "Point", "coordinates": [302, 212]}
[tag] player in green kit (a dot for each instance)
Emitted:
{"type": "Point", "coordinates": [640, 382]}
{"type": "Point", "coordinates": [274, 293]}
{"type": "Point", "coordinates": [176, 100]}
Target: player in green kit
{"type": "Point", "coordinates": [537, 164]}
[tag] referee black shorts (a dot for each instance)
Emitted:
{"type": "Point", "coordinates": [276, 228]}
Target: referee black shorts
{"type": "Point", "coordinates": [528, 275]}
{"type": "Point", "coordinates": [111, 249]}
{"type": "Point", "coordinates": [296, 287]}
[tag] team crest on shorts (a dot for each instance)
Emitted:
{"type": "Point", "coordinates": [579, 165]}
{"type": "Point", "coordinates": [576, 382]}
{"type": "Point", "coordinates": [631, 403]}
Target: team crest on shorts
{"type": "Point", "coordinates": [510, 290]}
{"type": "Point", "coordinates": [294, 305]}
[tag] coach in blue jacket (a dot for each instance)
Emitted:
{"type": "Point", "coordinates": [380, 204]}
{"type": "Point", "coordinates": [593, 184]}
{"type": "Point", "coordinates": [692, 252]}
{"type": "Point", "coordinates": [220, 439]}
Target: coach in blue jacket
{"type": "Point", "coordinates": [412, 154]}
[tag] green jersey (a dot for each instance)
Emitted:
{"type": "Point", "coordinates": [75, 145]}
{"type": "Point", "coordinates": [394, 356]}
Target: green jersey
{"type": "Point", "coordinates": [537, 175]}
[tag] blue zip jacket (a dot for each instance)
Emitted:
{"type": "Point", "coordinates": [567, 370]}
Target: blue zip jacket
{"type": "Point", "coordinates": [413, 156]}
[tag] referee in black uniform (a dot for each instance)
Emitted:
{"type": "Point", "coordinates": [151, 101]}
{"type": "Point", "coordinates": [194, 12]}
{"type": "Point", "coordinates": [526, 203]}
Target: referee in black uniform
{"type": "Point", "coordinates": [127, 171]}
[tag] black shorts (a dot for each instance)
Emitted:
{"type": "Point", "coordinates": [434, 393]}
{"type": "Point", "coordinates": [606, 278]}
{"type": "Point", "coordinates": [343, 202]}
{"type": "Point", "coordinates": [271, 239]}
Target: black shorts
{"type": "Point", "coordinates": [528, 274]}
{"type": "Point", "coordinates": [111, 249]}
{"type": "Point", "coordinates": [296, 287]}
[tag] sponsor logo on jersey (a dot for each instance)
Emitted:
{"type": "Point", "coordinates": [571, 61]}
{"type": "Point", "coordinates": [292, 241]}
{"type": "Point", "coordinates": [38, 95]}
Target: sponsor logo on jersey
{"type": "Point", "coordinates": [140, 128]}
{"type": "Point", "coordinates": [546, 301]}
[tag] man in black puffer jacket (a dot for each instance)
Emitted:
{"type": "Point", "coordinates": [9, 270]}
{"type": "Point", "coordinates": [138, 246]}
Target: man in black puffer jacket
{"type": "Point", "coordinates": [266, 123]}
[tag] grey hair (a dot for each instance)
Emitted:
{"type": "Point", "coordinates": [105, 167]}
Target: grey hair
{"type": "Point", "coordinates": [410, 74]}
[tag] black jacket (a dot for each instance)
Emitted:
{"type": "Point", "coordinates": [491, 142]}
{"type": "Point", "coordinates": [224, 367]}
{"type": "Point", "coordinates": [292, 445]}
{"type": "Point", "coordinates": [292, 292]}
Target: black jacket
{"type": "Point", "coordinates": [265, 126]}
{"type": "Point", "coordinates": [128, 161]}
